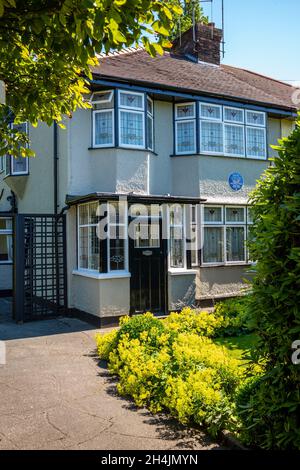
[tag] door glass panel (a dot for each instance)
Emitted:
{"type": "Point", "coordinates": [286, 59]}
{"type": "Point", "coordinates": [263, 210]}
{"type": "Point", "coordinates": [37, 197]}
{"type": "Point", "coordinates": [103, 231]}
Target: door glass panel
{"type": "Point", "coordinates": [147, 235]}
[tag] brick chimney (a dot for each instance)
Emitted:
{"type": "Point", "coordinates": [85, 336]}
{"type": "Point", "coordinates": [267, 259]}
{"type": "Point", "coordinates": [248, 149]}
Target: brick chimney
{"type": "Point", "coordinates": [202, 44]}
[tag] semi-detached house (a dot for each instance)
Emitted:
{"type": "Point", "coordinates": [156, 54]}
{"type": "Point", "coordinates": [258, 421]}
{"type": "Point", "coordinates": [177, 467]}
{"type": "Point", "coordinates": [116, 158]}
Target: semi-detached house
{"type": "Point", "coordinates": [176, 131]}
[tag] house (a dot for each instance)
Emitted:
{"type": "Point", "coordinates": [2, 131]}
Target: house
{"type": "Point", "coordinates": [180, 134]}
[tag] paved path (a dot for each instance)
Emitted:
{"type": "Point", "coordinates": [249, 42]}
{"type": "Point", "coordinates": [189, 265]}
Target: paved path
{"type": "Point", "coordinates": [54, 395]}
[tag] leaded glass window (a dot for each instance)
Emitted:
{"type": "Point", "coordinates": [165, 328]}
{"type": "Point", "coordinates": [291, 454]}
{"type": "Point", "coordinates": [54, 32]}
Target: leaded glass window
{"type": "Point", "coordinates": [132, 128]}
{"type": "Point", "coordinates": [233, 115]}
{"type": "Point", "coordinates": [211, 139]}
{"type": "Point", "coordinates": [104, 128]}
{"type": "Point", "coordinates": [234, 140]}
{"type": "Point", "coordinates": [210, 111]}
{"type": "Point", "coordinates": [185, 137]}
{"type": "Point", "coordinates": [256, 142]}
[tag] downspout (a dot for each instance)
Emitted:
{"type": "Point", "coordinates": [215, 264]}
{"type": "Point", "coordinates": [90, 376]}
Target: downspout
{"type": "Point", "coordinates": [55, 167]}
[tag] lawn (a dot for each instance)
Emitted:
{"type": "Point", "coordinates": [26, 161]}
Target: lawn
{"type": "Point", "coordinates": [237, 345]}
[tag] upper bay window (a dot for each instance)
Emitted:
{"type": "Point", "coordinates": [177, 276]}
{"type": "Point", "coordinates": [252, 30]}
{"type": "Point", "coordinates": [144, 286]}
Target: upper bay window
{"type": "Point", "coordinates": [122, 118]}
{"type": "Point", "coordinates": [224, 130]}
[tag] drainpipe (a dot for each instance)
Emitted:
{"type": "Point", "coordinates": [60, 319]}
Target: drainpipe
{"type": "Point", "coordinates": [55, 167]}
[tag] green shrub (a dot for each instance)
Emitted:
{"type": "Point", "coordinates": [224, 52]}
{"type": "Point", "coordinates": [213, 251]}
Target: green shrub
{"type": "Point", "coordinates": [272, 407]}
{"type": "Point", "coordinates": [235, 316]}
{"type": "Point", "coordinates": [167, 365]}
{"type": "Point", "coordinates": [194, 321]}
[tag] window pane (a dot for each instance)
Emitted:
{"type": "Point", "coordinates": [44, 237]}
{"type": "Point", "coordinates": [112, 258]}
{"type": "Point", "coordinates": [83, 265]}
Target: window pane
{"type": "Point", "coordinates": [213, 245]}
{"type": "Point", "coordinates": [176, 247]}
{"type": "Point", "coordinates": [150, 106]}
{"type": "Point", "coordinates": [19, 165]}
{"type": "Point", "coordinates": [117, 254]}
{"type": "Point", "coordinates": [185, 111]}
{"type": "Point", "coordinates": [84, 247]}
{"type": "Point", "coordinates": [194, 250]}
{"type": "Point", "coordinates": [132, 128]}
{"type": "Point", "coordinates": [233, 114]}
{"type": "Point", "coordinates": [5, 224]}
{"type": "Point", "coordinates": [150, 132]}
{"type": "Point", "coordinates": [130, 100]}
{"type": "Point", "coordinates": [210, 111]}
{"type": "Point", "coordinates": [185, 136]}
{"type": "Point", "coordinates": [94, 246]}
{"type": "Point", "coordinates": [256, 118]}
{"type": "Point", "coordinates": [256, 142]}
{"type": "Point", "coordinates": [213, 214]}
{"type": "Point", "coordinates": [103, 128]}
{"type": "Point", "coordinates": [211, 137]}
{"type": "Point", "coordinates": [6, 248]}
{"type": "Point", "coordinates": [234, 140]}
{"type": "Point", "coordinates": [104, 97]}
{"type": "Point", "coordinates": [83, 214]}
{"type": "Point", "coordinates": [235, 214]}
{"type": "Point", "coordinates": [235, 244]}
{"type": "Point", "coordinates": [93, 207]}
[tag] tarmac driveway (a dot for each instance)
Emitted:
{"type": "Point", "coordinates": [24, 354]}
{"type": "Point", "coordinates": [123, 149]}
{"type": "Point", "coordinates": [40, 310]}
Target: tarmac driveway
{"type": "Point", "coordinates": [54, 395]}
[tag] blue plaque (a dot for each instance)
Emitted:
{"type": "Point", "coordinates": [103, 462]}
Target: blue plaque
{"type": "Point", "coordinates": [236, 181]}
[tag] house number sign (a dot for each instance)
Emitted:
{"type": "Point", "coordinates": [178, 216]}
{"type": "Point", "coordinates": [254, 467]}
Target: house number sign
{"type": "Point", "coordinates": [236, 181]}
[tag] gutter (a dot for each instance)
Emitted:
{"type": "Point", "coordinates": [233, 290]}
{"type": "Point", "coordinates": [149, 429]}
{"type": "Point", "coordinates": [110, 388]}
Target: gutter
{"type": "Point", "coordinates": [55, 167]}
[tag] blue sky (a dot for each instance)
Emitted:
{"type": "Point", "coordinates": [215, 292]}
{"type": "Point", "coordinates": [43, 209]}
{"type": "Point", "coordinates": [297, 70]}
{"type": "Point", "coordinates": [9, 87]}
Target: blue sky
{"type": "Point", "coordinates": [261, 35]}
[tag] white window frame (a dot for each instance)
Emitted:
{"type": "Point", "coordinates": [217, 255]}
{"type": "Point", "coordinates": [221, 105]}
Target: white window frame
{"type": "Point", "coordinates": [211, 152]}
{"type": "Point", "coordinates": [242, 155]}
{"type": "Point", "coordinates": [99, 93]}
{"type": "Point", "coordinates": [252, 124]}
{"type": "Point", "coordinates": [208, 118]}
{"type": "Point", "coordinates": [188, 118]}
{"type": "Point", "coordinates": [134, 111]}
{"type": "Point", "coordinates": [97, 111]}
{"type": "Point", "coordinates": [224, 225]}
{"type": "Point", "coordinates": [127, 92]}
{"type": "Point", "coordinates": [235, 109]}
{"type": "Point", "coordinates": [188, 152]}
{"type": "Point", "coordinates": [265, 139]}
{"type": "Point", "coordinates": [6, 232]}
{"type": "Point", "coordinates": [125, 225]}
{"type": "Point", "coordinates": [216, 206]}
{"type": "Point", "coordinates": [88, 270]}
{"type": "Point", "coordinates": [184, 267]}
{"type": "Point", "coordinates": [195, 223]}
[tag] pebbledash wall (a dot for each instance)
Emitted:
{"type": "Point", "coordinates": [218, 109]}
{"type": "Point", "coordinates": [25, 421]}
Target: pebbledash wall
{"type": "Point", "coordinates": [83, 170]}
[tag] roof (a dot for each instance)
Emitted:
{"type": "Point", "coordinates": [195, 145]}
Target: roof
{"type": "Point", "coordinates": [136, 65]}
{"type": "Point", "coordinates": [132, 197]}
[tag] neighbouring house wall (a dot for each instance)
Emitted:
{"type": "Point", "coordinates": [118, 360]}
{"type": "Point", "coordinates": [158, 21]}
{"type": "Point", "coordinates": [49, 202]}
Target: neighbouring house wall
{"type": "Point", "coordinates": [287, 126]}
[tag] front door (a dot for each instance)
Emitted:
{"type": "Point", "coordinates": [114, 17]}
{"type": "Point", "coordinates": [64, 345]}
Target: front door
{"type": "Point", "coordinates": [147, 263]}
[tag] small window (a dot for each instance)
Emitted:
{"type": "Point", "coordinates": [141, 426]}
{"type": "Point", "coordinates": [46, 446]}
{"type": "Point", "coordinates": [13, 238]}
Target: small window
{"type": "Point", "coordinates": [235, 214]}
{"type": "Point", "coordinates": [234, 140]}
{"type": "Point", "coordinates": [6, 241]}
{"type": "Point", "coordinates": [210, 111]}
{"type": "Point", "coordinates": [185, 136]}
{"type": "Point", "coordinates": [213, 245]}
{"type": "Point", "coordinates": [18, 165]}
{"type": "Point", "coordinates": [256, 142]}
{"type": "Point", "coordinates": [88, 241]}
{"type": "Point", "coordinates": [235, 244]}
{"type": "Point", "coordinates": [132, 133]}
{"type": "Point", "coordinates": [233, 115]}
{"type": "Point", "coordinates": [213, 214]}
{"type": "Point", "coordinates": [255, 118]}
{"type": "Point", "coordinates": [177, 243]}
{"type": "Point", "coordinates": [131, 100]}
{"type": "Point", "coordinates": [185, 111]}
{"type": "Point", "coordinates": [102, 97]}
{"type": "Point", "coordinates": [211, 137]}
{"type": "Point", "coordinates": [103, 128]}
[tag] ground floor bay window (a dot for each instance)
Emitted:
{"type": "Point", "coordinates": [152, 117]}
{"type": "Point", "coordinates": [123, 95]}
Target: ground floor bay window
{"type": "Point", "coordinates": [225, 230]}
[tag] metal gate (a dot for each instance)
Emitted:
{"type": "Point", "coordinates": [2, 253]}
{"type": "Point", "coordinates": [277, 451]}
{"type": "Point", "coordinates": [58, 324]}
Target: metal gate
{"type": "Point", "coordinates": [40, 282]}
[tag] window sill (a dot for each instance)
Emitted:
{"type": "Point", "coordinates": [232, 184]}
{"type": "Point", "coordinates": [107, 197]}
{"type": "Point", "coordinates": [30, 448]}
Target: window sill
{"type": "Point", "coordinates": [225, 265]}
{"type": "Point", "coordinates": [96, 275]}
{"type": "Point", "coordinates": [15, 175]}
{"type": "Point", "coordinates": [6, 263]}
{"type": "Point", "coordinates": [124, 148]}
{"type": "Point", "coordinates": [207, 154]}
{"type": "Point", "coordinates": [180, 272]}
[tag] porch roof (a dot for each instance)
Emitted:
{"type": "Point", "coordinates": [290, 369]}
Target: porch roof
{"type": "Point", "coordinates": [132, 197]}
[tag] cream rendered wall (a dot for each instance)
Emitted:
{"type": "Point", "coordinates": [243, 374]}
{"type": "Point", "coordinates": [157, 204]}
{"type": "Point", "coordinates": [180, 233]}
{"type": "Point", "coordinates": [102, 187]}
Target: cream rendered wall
{"type": "Point", "coordinates": [181, 290]}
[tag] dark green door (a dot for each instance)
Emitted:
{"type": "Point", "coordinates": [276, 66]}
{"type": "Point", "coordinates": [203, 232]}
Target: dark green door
{"type": "Point", "coordinates": [147, 263]}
